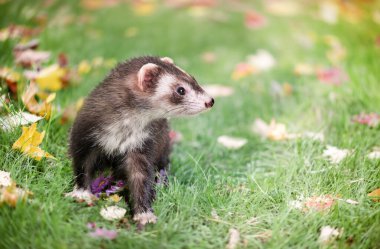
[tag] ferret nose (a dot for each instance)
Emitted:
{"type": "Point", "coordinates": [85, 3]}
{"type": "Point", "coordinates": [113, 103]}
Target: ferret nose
{"type": "Point", "coordinates": [210, 104]}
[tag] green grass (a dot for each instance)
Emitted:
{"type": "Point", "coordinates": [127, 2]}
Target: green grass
{"type": "Point", "coordinates": [205, 175]}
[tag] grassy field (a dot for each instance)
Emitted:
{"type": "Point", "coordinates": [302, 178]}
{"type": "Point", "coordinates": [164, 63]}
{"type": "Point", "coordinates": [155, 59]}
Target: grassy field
{"type": "Point", "coordinates": [249, 188]}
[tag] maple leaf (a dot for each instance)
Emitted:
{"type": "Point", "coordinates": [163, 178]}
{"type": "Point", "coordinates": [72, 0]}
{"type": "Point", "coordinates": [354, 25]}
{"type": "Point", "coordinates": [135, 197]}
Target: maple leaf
{"type": "Point", "coordinates": [42, 109]}
{"type": "Point", "coordinates": [29, 141]}
{"type": "Point", "coordinates": [51, 78]}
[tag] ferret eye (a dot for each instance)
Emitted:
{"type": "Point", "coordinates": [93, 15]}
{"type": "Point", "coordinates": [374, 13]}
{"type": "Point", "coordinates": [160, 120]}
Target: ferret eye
{"type": "Point", "coordinates": [181, 90]}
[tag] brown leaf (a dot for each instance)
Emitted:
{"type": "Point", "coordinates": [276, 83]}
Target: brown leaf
{"type": "Point", "coordinates": [29, 57]}
{"type": "Point", "coordinates": [32, 44]}
{"type": "Point", "coordinates": [29, 99]}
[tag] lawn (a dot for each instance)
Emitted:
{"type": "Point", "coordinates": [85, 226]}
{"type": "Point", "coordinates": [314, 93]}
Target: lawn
{"type": "Point", "coordinates": [323, 69]}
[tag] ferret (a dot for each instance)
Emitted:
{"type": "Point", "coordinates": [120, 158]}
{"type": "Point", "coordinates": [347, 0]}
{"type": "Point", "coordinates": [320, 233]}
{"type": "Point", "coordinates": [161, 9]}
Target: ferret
{"type": "Point", "coordinates": [123, 126]}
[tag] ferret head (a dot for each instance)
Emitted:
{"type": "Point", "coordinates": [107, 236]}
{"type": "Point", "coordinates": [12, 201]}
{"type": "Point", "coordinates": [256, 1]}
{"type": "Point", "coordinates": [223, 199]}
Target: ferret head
{"type": "Point", "coordinates": [171, 91]}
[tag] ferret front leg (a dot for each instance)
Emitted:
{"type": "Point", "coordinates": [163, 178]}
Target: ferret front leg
{"type": "Point", "coordinates": [140, 181]}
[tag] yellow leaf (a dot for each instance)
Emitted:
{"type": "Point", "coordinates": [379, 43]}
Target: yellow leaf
{"type": "Point", "coordinates": [50, 78]}
{"type": "Point", "coordinates": [375, 195]}
{"type": "Point", "coordinates": [29, 141]}
{"type": "Point", "coordinates": [42, 109]}
{"type": "Point", "coordinates": [84, 67]}
{"type": "Point", "coordinates": [144, 9]}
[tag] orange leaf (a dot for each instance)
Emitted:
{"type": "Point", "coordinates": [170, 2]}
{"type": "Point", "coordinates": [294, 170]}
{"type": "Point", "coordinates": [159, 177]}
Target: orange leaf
{"type": "Point", "coordinates": [375, 195]}
{"type": "Point", "coordinates": [42, 109]}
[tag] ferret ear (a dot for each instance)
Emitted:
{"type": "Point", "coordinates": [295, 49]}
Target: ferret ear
{"type": "Point", "coordinates": [167, 60]}
{"type": "Point", "coordinates": [147, 75]}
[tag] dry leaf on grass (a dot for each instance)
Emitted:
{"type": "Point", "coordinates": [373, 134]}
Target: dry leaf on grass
{"type": "Point", "coordinates": [282, 7]}
{"type": "Point", "coordinates": [375, 154]}
{"type": "Point", "coordinates": [143, 8]}
{"type": "Point", "coordinates": [370, 119]}
{"type": "Point", "coordinates": [328, 12]}
{"type": "Point", "coordinates": [218, 90]}
{"type": "Point", "coordinates": [332, 76]}
{"type": "Point", "coordinates": [329, 234]}
{"type": "Point", "coordinates": [375, 195]}
{"type": "Point", "coordinates": [5, 179]}
{"type": "Point", "coordinates": [232, 142]}
{"type": "Point", "coordinates": [273, 131]}
{"type": "Point", "coordinates": [209, 57]}
{"type": "Point", "coordinates": [10, 194]}
{"type": "Point", "coordinates": [11, 78]}
{"type": "Point", "coordinates": [29, 141]}
{"type": "Point", "coordinates": [242, 70]}
{"type": "Point", "coordinates": [103, 233]}
{"type": "Point", "coordinates": [28, 58]}
{"type": "Point", "coordinates": [234, 238]}
{"type": "Point", "coordinates": [17, 119]}
{"type": "Point", "coordinates": [84, 67]}
{"type": "Point", "coordinates": [42, 109]}
{"type": "Point", "coordinates": [313, 203]}
{"type": "Point", "coordinates": [112, 213]}
{"type": "Point", "coordinates": [336, 155]}
{"type": "Point", "coordinates": [262, 60]}
{"type": "Point", "coordinates": [52, 78]}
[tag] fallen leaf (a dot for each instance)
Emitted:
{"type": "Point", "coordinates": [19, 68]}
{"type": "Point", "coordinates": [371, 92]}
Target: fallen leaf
{"type": "Point", "coordinates": [332, 76]}
{"type": "Point", "coordinates": [328, 12]}
{"type": "Point", "coordinates": [254, 20]}
{"type": "Point", "coordinates": [375, 154]}
{"type": "Point", "coordinates": [209, 57]}
{"type": "Point", "coordinates": [17, 119]}
{"type": "Point", "coordinates": [242, 70]}
{"type": "Point", "coordinates": [17, 31]}
{"type": "Point", "coordinates": [29, 141]}
{"type": "Point", "coordinates": [234, 238]}
{"type": "Point", "coordinates": [103, 233]}
{"type": "Point", "coordinates": [11, 195]}
{"type": "Point", "coordinates": [112, 213]}
{"type": "Point", "coordinates": [329, 234]}
{"type": "Point", "coordinates": [28, 58]}
{"type": "Point", "coordinates": [218, 90]}
{"type": "Point", "coordinates": [11, 78]}
{"type": "Point", "coordinates": [232, 142]}
{"type": "Point", "coordinates": [214, 215]}
{"type": "Point", "coordinates": [370, 119]}
{"type": "Point", "coordinates": [32, 44]}
{"type": "Point", "coordinates": [51, 78]}
{"type": "Point", "coordinates": [42, 109]}
{"type": "Point", "coordinates": [5, 179]}
{"type": "Point", "coordinates": [273, 131]}
{"type": "Point", "coordinates": [318, 203]}
{"type": "Point", "coordinates": [114, 198]}
{"type": "Point", "coordinates": [375, 195]}
{"type": "Point", "coordinates": [282, 7]}
{"type": "Point", "coordinates": [304, 69]}
{"type": "Point", "coordinates": [337, 52]}
{"type": "Point", "coordinates": [144, 8]}
{"type": "Point", "coordinates": [262, 60]}
{"type": "Point", "coordinates": [84, 67]}
{"type": "Point", "coordinates": [335, 155]}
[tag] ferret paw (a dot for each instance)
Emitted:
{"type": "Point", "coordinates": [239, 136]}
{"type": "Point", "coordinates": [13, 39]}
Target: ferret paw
{"type": "Point", "coordinates": [81, 195]}
{"type": "Point", "coordinates": [144, 218]}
